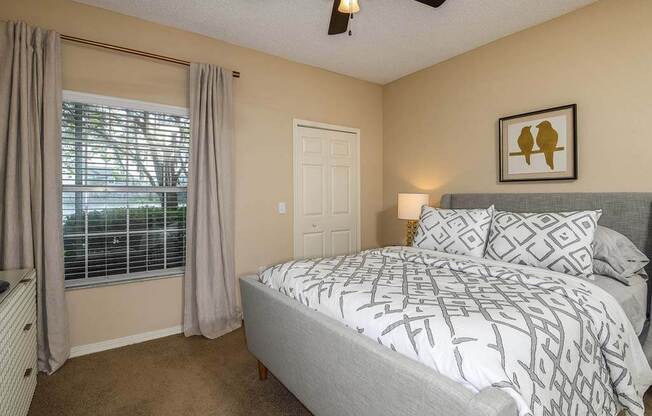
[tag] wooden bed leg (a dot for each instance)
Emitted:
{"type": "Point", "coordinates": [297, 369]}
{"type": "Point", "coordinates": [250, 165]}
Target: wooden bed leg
{"type": "Point", "coordinates": [262, 371]}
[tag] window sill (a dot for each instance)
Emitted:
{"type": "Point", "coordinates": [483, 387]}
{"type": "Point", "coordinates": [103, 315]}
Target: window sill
{"type": "Point", "coordinates": [101, 282]}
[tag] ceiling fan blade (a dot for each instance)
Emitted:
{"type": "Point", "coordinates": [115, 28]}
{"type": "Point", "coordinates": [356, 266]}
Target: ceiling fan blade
{"type": "Point", "coordinates": [432, 3]}
{"type": "Point", "coordinates": [339, 21]}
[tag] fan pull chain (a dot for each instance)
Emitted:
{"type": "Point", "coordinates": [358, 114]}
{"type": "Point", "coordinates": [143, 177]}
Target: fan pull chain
{"type": "Point", "coordinates": [351, 24]}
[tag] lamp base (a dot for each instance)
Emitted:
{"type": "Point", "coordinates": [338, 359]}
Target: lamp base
{"type": "Point", "coordinates": [411, 232]}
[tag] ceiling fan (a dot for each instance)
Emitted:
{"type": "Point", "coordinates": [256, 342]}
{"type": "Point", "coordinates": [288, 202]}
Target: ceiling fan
{"type": "Point", "coordinates": [343, 10]}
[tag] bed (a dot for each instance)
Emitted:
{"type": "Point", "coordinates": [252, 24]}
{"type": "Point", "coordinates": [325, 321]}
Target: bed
{"type": "Point", "coordinates": [336, 370]}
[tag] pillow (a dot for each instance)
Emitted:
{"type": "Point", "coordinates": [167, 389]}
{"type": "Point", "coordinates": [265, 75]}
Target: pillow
{"type": "Point", "coordinates": [614, 255]}
{"type": "Point", "coordinates": [454, 231]}
{"type": "Point", "coordinates": [559, 241]}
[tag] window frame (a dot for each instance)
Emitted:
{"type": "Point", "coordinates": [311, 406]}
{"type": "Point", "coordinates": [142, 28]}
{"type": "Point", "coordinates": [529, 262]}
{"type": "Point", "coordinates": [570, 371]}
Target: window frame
{"type": "Point", "coordinates": [108, 101]}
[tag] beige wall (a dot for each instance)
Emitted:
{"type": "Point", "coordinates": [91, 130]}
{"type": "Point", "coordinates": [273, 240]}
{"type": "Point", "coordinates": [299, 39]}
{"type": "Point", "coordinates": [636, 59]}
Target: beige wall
{"type": "Point", "coordinates": [271, 92]}
{"type": "Point", "coordinates": [440, 124]}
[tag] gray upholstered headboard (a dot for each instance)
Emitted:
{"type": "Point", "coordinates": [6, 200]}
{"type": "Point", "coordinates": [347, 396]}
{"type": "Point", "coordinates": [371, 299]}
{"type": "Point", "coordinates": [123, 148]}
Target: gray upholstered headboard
{"type": "Point", "coordinates": [629, 213]}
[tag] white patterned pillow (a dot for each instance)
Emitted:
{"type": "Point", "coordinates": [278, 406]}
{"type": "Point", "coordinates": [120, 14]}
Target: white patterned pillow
{"type": "Point", "coordinates": [559, 241]}
{"type": "Point", "coordinates": [455, 231]}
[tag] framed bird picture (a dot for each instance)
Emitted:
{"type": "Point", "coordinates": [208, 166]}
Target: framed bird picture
{"type": "Point", "coordinates": [539, 146]}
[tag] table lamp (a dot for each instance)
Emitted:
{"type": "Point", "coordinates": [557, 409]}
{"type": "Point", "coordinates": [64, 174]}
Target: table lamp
{"type": "Point", "coordinates": [409, 208]}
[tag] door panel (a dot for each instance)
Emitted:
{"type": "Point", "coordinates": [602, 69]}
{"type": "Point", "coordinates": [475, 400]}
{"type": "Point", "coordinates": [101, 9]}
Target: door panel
{"type": "Point", "coordinates": [312, 145]}
{"type": "Point", "coordinates": [341, 242]}
{"type": "Point", "coordinates": [326, 192]}
{"type": "Point", "coordinates": [340, 148]}
{"type": "Point", "coordinates": [313, 245]}
{"type": "Point", "coordinates": [313, 190]}
{"type": "Point", "coordinates": [341, 190]}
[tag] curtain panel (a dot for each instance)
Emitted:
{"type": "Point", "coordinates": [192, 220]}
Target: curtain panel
{"type": "Point", "coordinates": [209, 285]}
{"type": "Point", "coordinates": [30, 176]}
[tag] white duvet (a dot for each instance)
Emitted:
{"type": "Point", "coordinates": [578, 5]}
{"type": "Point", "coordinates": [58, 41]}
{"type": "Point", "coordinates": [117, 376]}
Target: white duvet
{"type": "Point", "coordinates": [556, 343]}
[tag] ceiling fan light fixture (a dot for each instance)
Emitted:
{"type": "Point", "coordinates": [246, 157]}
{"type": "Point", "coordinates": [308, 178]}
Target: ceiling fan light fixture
{"type": "Point", "coordinates": [348, 6]}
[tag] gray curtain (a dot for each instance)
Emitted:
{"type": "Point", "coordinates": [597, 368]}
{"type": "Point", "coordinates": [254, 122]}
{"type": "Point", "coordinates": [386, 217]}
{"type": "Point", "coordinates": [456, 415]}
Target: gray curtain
{"type": "Point", "coordinates": [30, 176]}
{"type": "Point", "coordinates": [209, 285]}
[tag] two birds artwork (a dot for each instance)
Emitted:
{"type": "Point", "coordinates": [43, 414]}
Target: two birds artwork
{"type": "Point", "coordinates": [546, 140]}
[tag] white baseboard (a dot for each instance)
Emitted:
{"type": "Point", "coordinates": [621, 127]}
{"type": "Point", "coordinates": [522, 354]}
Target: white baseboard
{"type": "Point", "coordinates": [122, 342]}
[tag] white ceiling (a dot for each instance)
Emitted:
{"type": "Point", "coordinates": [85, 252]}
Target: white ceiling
{"type": "Point", "coordinates": [391, 38]}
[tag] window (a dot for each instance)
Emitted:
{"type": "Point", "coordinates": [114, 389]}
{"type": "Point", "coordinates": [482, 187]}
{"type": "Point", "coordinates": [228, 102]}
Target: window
{"type": "Point", "coordinates": [124, 170]}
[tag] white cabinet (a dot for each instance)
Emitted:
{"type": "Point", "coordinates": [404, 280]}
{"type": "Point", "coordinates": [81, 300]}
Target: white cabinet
{"type": "Point", "coordinates": [17, 342]}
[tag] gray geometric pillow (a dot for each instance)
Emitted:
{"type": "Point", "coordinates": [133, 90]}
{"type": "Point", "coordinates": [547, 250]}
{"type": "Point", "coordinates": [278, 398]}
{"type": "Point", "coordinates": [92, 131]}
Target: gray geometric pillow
{"type": "Point", "coordinates": [455, 231]}
{"type": "Point", "coordinates": [559, 241]}
{"type": "Point", "coordinates": [615, 255]}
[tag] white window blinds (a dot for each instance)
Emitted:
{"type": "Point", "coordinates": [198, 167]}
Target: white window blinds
{"type": "Point", "coordinates": [124, 170]}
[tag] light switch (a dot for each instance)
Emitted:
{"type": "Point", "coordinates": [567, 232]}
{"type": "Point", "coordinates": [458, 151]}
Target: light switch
{"type": "Point", "coordinates": [282, 208]}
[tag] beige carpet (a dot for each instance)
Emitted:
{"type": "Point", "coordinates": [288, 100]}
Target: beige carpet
{"type": "Point", "coordinates": [173, 376]}
{"type": "Point", "coordinates": [169, 376]}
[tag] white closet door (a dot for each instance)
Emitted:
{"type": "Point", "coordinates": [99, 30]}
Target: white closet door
{"type": "Point", "coordinates": [326, 192]}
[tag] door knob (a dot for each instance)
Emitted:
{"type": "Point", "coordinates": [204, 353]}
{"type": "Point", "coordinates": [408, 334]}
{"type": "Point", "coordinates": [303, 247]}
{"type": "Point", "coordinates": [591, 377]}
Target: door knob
{"type": "Point", "coordinates": [314, 226]}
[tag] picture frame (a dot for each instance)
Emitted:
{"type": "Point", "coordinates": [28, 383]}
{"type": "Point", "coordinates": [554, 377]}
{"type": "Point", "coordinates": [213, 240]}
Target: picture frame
{"type": "Point", "coordinates": [538, 146]}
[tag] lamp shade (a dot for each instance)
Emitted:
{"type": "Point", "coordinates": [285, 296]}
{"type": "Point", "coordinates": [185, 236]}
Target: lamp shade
{"type": "Point", "coordinates": [409, 205]}
{"type": "Point", "coordinates": [348, 6]}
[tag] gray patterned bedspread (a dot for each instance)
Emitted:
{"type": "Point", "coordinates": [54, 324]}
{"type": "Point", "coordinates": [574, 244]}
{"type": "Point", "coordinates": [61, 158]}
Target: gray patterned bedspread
{"type": "Point", "coordinates": [557, 344]}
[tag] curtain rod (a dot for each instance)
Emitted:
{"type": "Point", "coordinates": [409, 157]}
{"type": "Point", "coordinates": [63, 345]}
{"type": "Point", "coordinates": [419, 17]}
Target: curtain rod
{"type": "Point", "coordinates": [236, 74]}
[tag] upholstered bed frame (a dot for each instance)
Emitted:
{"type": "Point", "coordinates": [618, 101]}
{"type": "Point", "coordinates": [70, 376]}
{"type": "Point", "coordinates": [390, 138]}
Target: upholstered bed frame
{"type": "Point", "coordinates": [334, 371]}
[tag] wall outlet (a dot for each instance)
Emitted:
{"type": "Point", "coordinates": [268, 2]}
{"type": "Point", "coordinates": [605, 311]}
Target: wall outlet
{"type": "Point", "coordinates": [282, 208]}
